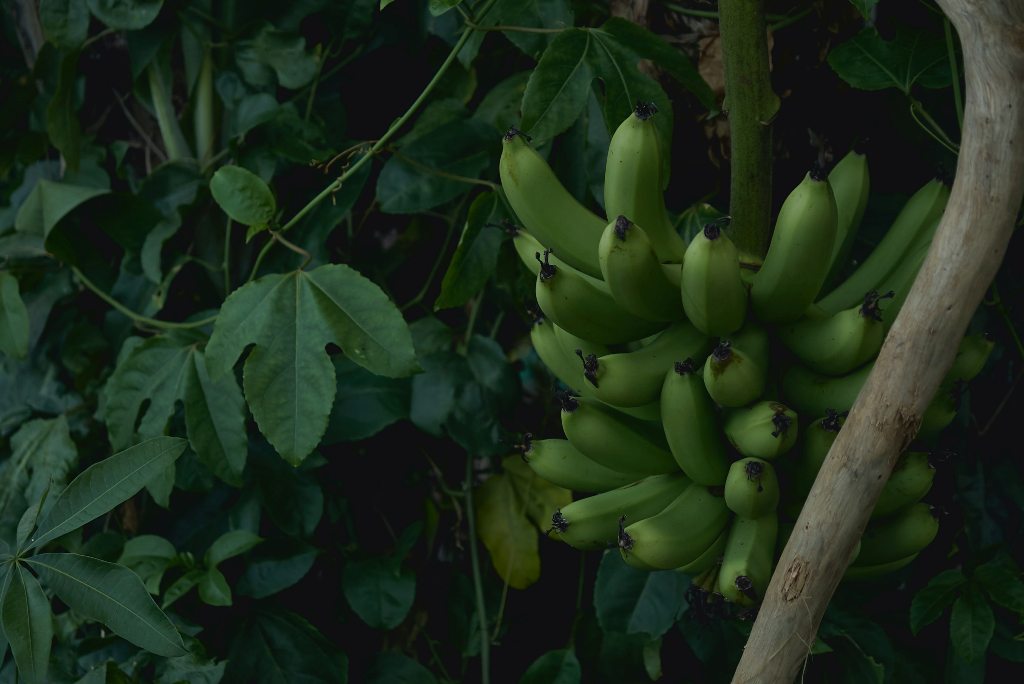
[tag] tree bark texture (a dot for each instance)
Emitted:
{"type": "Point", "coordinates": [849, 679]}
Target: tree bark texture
{"type": "Point", "coordinates": [961, 263]}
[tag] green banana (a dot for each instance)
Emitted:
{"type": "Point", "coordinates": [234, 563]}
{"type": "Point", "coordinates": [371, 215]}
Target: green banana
{"type": "Point", "coordinates": [691, 426]}
{"type": "Point", "coordinates": [633, 182]}
{"type": "Point", "coordinates": [713, 293]}
{"type": "Point", "coordinates": [678, 535]}
{"type": "Point", "coordinates": [635, 378]}
{"type": "Point", "coordinates": [570, 343]}
{"type": "Point", "coordinates": [840, 343]}
{"type": "Point", "coordinates": [899, 536]}
{"type": "Point", "coordinates": [634, 274]}
{"type": "Point", "coordinates": [815, 442]}
{"type": "Point", "coordinates": [870, 572]}
{"type": "Point", "coordinates": [708, 559]}
{"type": "Point", "coordinates": [736, 371]}
{"type": "Point", "coordinates": [917, 216]}
{"type": "Point", "coordinates": [562, 464]}
{"type": "Point", "coordinates": [901, 278]}
{"type": "Point", "coordinates": [794, 268]}
{"type": "Point", "coordinates": [747, 561]}
{"type": "Point", "coordinates": [574, 304]}
{"type": "Point", "coordinates": [970, 358]}
{"type": "Point", "coordinates": [674, 273]}
{"type": "Point", "coordinates": [939, 413]}
{"type": "Point", "coordinates": [527, 248]}
{"type": "Point", "coordinates": [594, 522]}
{"type": "Point", "coordinates": [911, 479]}
{"type": "Point", "coordinates": [546, 208]}
{"type": "Point", "coordinates": [614, 440]}
{"type": "Point", "coordinates": [752, 488]}
{"type": "Point", "coordinates": [765, 430]}
{"type": "Point", "coordinates": [850, 184]}
{"type": "Point", "coordinates": [813, 394]}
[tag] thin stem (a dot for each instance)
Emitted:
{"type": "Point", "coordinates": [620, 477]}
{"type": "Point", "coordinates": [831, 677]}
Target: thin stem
{"type": "Point", "coordinates": [433, 269]}
{"type": "Point", "coordinates": [513, 29]}
{"type": "Point", "coordinates": [931, 127]}
{"type": "Point", "coordinates": [788, 20]}
{"type": "Point", "coordinates": [954, 68]}
{"type": "Point", "coordinates": [99, 36]}
{"type": "Point", "coordinates": [444, 174]}
{"type": "Point", "coordinates": [478, 586]}
{"type": "Point", "coordinates": [137, 317]}
{"type": "Point", "coordinates": [315, 83]}
{"type": "Point", "coordinates": [226, 264]}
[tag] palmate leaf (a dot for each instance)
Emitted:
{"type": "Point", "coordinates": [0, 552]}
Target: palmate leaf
{"type": "Point", "coordinates": [27, 623]}
{"type": "Point", "coordinates": [288, 377]}
{"type": "Point", "coordinates": [111, 594]}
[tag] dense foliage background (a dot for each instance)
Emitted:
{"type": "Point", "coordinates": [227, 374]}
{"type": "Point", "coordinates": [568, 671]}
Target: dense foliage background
{"type": "Point", "coordinates": [378, 525]}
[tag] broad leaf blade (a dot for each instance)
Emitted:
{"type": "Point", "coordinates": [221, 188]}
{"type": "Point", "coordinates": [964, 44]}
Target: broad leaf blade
{"type": "Point", "coordinates": [380, 590]}
{"type": "Point", "coordinates": [127, 15]}
{"type": "Point", "coordinates": [476, 255]}
{"type": "Point", "coordinates": [28, 624]}
{"type": "Point", "coordinates": [243, 196]}
{"type": "Point", "coordinates": [554, 667]}
{"type": "Point", "coordinates": [283, 647]}
{"type": "Point", "coordinates": [106, 484]}
{"type": "Point", "coordinates": [634, 601]}
{"type": "Point", "coordinates": [1002, 582]}
{"type": "Point", "coordinates": [215, 420]}
{"type": "Point", "coordinates": [930, 602]}
{"type": "Point", "coordinates": [971, 626]}
{"type": "Point", "coordinates": [557, 90]}
{"type": "Point", "coordinates": [869, 62]}
{"type": "Point", "coordinates": [229, 545]}
{"type": "Point", "coordinates": [65, 22]}
{"type": "Point", "coordinates": [13, 318]}
{"type": "Point", "coordinates": [111, 594]}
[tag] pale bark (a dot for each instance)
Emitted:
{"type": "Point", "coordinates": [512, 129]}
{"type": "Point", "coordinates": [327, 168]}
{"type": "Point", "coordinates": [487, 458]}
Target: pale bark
{"type": "Point", "coordinates": [961, 263]}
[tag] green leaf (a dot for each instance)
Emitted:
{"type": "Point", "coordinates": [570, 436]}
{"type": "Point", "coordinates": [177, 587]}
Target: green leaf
{"type": "Point", "coordinates": [291, 496]}
{"type": "Point", "coordinates": [214, 589]}
{"type": "Point", "coordinates": [62, 114]}
{"type": "Point", "coordinates": [1002, 583]}
{"type": "Point", "coordinates": [280, 647]}
{"type": "Point", "coordinates": [476, 255]}
{"type": "Point", "coordinates": [49, 202]}
{"type": "Point", "coordinates": [42, 457]}
{"type": "Point", "coordinates": [380, 590]}
{"type": "Point", "coordinates": [215, 421]}
{"type": "Point", "coordinates": [500, 105]}
{"type": "Point", "coordinates": [869, 62]}
{"type": "Point", "coordinates": [554, 667]}
{"type": "Point", "coordinates": [865, 7]}
{"type": "Point", "coordinates": [65, 22]}
{"type": "Point", "coordinates": [127, 15]}
{"type": "Point", "coordinates": [190, 669]}
{"type": "Point", "coordinates": [106, 484]}
{"type": "Point", "coordinates": [243, 196]}
{"type": "Point", "coordinates": [148, 556]}
{"type": "Point", "coordinates": [439, 7]}
{"type": "Point", "coordinates": [365, 403]}
{"type": "Point", "coordinates": [182, 586]}
{"type": "Point", "coordinates": [543, 14]}
{"type": "Point", "coordinates": [391, 667]}
{"type": "Point", "coordinates": [13, 318]}
{"type": "Point", "coordinates": [28, 624]}
{"type": "Point", "coordinates": [229, 545]}
{"type": "Point", "coordinates": [111, 594]}
{"type": "Point", "coordinates": [272, 53]}
{"type": "Point", "coordinates": [637, 602]}
{"type": "Point", "coordinates": [1008, 643]}
{"type": "Point", "coordinates": [558, 87]}
{"type": "Point", "coordinates": [288, 378]}
{"type": "Point", "coordinates": [649, 46]}
{"type": "Point", "coordinates": [971, 626]}
{"type": "Point", "coordinates": [420, 177]}
{"type": "Point", "coordinates": [275, 566]}
{"type": "Point", "coordinates": [932, 600]}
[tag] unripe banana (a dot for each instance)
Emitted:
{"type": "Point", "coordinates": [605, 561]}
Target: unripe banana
{"type": "Point", "coordinates": [970, 358]}
{"type": "Point", "coordinates": [635, 378]}
{"type": "Point", "coordinates": [634, 274]}
{"type": "Point", "coordinates": [870, 572]}
{"type": "Point", "coordinates": [911, 479]}
{"type": "Point", "coordinates": [765, 430]}
{"type": "Point", "coordinates": [691, 426]}
{"type": "Point", "coordinates": [574, 304]}
{"type": "Point", "coordinates": [840, 343]}
{"type": "Point", "coordinates": [736, 371]}
{"type": "Point", "coordinates": [939, 414]}
{"type": "Point", "coordinates": [679, 534]}
{"type": "Point", "coordinates": [713, 293]}
{"type": "Point", "coordinates": [546, 208]}
{"type": "Point", "coordinates": [851, 185]}
{"type": "Point", "coordinates": [899, 536]}
{"type": "Point", "coordinates": [633, 182]}
{"type": "Point", "coordinates": [747, 561]}
{"type": "Point", "coordinates": [594, 522]}
{"type": "Point", "coordinates": [708, 559]}
{"type": "Point", "coordinates": [815, 442]}
{"type": "Point", "coordinates": [752, 488]}
{"type": "Point", "coordinates": [614, 440]}
{"type": "Point", "coordinates": [795, 267]}
{"type": "Point", "coordinates": [918, 214]}
{"type": "Point", "coordinates": [562, 464]}
{"type": "Point", "coordinates": [901, 278]}
{"type": "Point", "coordinates": [527, 248]}
{"type": "Point", "coordinates": [813, 394]}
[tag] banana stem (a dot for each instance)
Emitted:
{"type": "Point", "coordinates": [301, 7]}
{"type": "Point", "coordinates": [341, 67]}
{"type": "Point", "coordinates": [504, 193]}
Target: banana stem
{"type": "Point", "coordinates": [751, 106]}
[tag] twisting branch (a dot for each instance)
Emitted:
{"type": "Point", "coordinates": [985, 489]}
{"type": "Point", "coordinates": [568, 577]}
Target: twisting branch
{"type": "Point", "coordinates": [964, 257]}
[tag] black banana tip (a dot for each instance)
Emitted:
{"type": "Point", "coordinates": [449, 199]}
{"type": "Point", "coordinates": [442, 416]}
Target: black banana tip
{"type": "Point", "coordinates": [567, 400]}
{"type": "Point", "coordinates": [590, 366]}
{"type": "Point", "coordinates": [558, 521]}
{"type": "Point", "coordinates": [781, 422]}
{"type": "Point", "coordinates": [625, 541]}
{"type": "Point", "coordinates": [871, 308]}
{"type": "Point", "coordinates": [645, 110]}
{"type": "Point", "coordinates": [753, 470]}
{"type": "Point", "coordinates": [712, 231]}
{"type": "Point", "coordinates": [685, 367]}
{"type": "Point", "coordinates": [547, 269]}
{"type": "Point", "coordinates": [832, 422]}
{"type": "Point", "coordinates": [818, 172]}
{"type": "Point", "coordinates": [723, 351]}
{"type": "Point", "coordinates": [622, 225]}
{"type": "Point", "coordinates": [524, 447]}
{"type": "Point", "coordinates": [514, 132]}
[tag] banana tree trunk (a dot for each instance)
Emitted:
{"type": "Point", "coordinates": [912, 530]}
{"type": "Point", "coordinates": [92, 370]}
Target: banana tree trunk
{"type": "Point", "coordinates": [964, 257]}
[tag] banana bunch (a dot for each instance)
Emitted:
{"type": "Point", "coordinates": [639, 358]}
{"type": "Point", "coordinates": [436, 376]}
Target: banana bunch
{"type": "Point", "coordinates": [701, 395]}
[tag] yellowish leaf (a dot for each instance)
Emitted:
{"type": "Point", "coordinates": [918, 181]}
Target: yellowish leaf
{"type": "Point", "coordinates": [505, 505]}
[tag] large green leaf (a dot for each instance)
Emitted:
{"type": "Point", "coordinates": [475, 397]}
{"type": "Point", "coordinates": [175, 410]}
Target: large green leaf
{"type": "Point", "coordinates": [106, 484]}
{"type": "Point", "coordinates": [215, 421]}
{"type": "Point", "coordinates": [28, 624]}
{"type": "Point", "coordinates": [275, 566]}
{"type": "Point", "coordinates": [930, 602]}
{"type": "Point", "coordinates": [13, 318]}
{"type": "Point", "coordinates": [65, 22]}
{"type": "Point", "coordinates": [273, 53]}
{"type": "Point", "coordinates": [111, 594]}
{"type": "Point", "coordinates": [49, 202]}
{"type": "Point", "coordinates": [476, 255]}
{"type": "Point", "coordinates": [1003, 583]}
{"type": "Point", "coordinates": [869, 62]}
{"type": "Point", "coordinates": [365, 403]}
{"type": "Point", "coordinates": [542, 14]}
{"type": "Point", "coordinates": [243, 196]}
{"type": "Point", "coordinates": [288, 377]}
{"type": "Point", "coordinates": [557, 90]}
{"type": "Point", "coordinates": [126, 14]}
{"type": "Point", "coordinates": [380, 590]}
{"type": "Point", "coordinates": [228, 545]}
{"type": "Point", "coordinates": [282, 648]}
{"type": "Point", "coordinates": [971, 626]}
{"type": "Point", "coordinates": [148, 556]}
{"type": "Point", "coordinates": [637, 602]}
